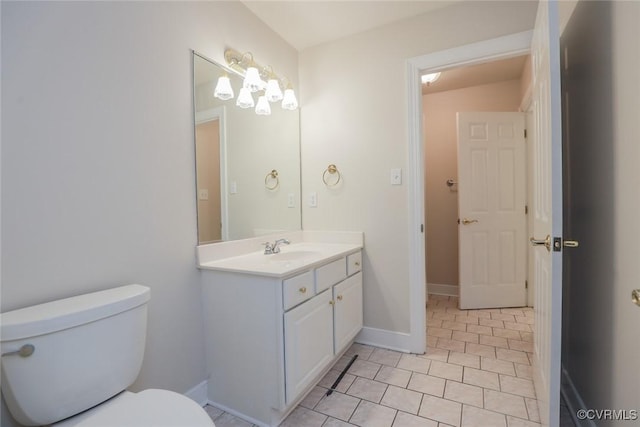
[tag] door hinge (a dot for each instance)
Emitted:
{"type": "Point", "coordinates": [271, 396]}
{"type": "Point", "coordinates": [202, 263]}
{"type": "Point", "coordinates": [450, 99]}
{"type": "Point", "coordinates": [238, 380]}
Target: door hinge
{"type": "Point", "coordinates": [525, 133]}
{"type": "Point", "coordinates": [526, 284]}
{"type": "Point", "coordinates": [526, 209]}
{"type": "Point", "coordinates": [422, 228]}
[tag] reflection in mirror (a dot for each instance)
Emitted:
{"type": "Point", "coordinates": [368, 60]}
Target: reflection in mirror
{"type": "Point", "coordinates": [237, 153]}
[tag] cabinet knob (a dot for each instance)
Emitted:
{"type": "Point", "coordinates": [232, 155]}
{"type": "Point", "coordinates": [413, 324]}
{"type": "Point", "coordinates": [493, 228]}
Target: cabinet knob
{"type": "Point", "coordinates": [331, 302]}
{"type": "Point", "coordinates": [303, 289]}
{"type": "Point", "coordinates": [357, 263]}
{"type": "Point", "coordinates": [339, 297]}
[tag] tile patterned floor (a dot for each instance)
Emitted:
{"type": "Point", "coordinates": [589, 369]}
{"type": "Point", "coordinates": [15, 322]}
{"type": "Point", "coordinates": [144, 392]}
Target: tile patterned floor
{"type": "Point", "coordinates": [476, 373]}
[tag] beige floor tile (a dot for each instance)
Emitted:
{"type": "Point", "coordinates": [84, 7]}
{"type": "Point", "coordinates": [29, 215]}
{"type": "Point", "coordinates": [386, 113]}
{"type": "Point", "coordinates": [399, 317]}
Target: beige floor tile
{"type": "Point", "coordinates": [517, 422]}
{"type": "Point", "coordinates": [455, 326]}
{"type": "Point", "coordinates": [441, 410]}
{"type": "Point", "coordinates": [444, 316]}
{"type": "Point", "coordinates": [481, 378]}
{"type": "Point", "coordinates": [446, 344]}
{"type": "Point", "coordinates": [481, 350]}
{"type": "Point", "coordinates": [446, 370]}
{"type": "Point", "coordinates": [394, 376]}
{"type": "Point", "coordinates": [415, 363]}
{"type": "Point", "coordinates": [314, 396]}
{"type": "Point", "coordinates": [476, 417]}
{"type": "Point", "coordinates": [303, 417]}
{"type": "Point", "coordinates": [521, 345]}
{"type": "Point", "coordinates": [337, 405]}
{"type": "Point", "coordinates": [512, 356]}
{"type": "Point", "coordinates": [385, 357]}
{"type": "Point", "coordinates": [368, 414]}
{"type": "Point", "coordinates": [479, 329]}
{"type": "Point", "coordinates": [434, 353]}
{"type": "Point", "coordinates": [402, 399]}
{"type": "Point", "coordinates": [498, 366]}
{"type": "Point", "coordinates": [514, 311]}
{"type": "Point", "coordinates": [464, 359]}
{"type": "Point", "coordinates": [363, 351]}
{"type": "Point", "coordinates": [436, 323]}
{"type": "Point", "coordinates": [526, 336]}
{"type": "Point", "coordinates": [427, 384]}
{"type": "Point", "coordinates": [228, 420]}
{"type": "Point", "coordinates": [439, 332]}
{"type": "Point", "coordinates": [333, 422]}
{"type": "Point", "coordinates": [462, 318]}
{"type": "Point", "coordinates": [432, 341]}
{"type": "Point", "coordinates": [503, 317]}
{"type": "Point", "coordinates": [330, 378]}
{"type": "Point", "coordinates": [505, 403]}
{"type": "Point", "coordinates": [370, 390]}
{"type": "Point", "coordinates": [524, 371]}
{"type": "Point", "coordinates": [465, 336]}
{"type": "Point", "coordinates": [506, 333]}
{"type": "Point", "coordinates": [464, 393]}
{"type": "Point", "coordinates": [492, 323]}
{"type": "Point", "coordinates": [517, 326]}
{"type": "Point", "coordinates": [524, 319]}
{"type": "Point", "coordinates": [494, 341]}
{"type": "Point", "coordinates": [532, 409]}
{"type": "Point", "coordinates": [519, 386]}
{"type": "Point", "coordinates": [364, 368]}
{"type": "Point", "coordinates": [407, 420]}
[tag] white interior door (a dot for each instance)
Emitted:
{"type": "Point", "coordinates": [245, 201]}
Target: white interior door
{"type": "Point", "coordinates": [547, 211]}
{"type": "Point", "coordinates": [491, 208]}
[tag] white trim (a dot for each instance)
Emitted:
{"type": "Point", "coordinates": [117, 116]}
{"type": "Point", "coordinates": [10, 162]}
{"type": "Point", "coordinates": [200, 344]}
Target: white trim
{"type": "Point", "coordinates": [439, 289]}
{"type": "Point", "coordinates": [391, 340]}
{"type": "Point", "coordinates": [573, 400]}
{"type": "Point", "coordinates": [474, 53]}
{"type": "Point", "coordinates": [199, 393]}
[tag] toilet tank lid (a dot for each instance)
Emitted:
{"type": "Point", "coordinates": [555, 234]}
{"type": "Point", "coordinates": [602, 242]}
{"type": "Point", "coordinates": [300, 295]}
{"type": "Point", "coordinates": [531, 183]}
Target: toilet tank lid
{"type": "Point", "coordinates": [69, 312]}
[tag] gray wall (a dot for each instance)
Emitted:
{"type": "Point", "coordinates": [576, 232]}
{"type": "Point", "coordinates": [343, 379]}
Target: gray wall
{"type": "Point", "coordinates": [98, 180]}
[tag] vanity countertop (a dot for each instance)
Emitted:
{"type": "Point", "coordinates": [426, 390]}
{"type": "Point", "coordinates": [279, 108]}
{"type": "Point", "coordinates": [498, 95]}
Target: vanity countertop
{"type": "Point", "coordinates": [292, 259]}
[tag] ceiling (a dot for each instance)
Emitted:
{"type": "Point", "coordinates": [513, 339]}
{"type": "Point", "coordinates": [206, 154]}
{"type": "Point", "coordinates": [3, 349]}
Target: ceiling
{"type": "Point", "coordinates": [304, 23]}
{"type": "Point", "coordinates": [475, 75]}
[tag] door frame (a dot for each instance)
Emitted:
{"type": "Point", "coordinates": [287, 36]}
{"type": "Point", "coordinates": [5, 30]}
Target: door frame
{"type": "Point", "coordinates": [475, 53]}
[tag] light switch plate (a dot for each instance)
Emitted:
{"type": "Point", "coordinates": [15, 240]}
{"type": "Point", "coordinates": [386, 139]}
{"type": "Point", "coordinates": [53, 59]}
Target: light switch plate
{"type": "Point", "coordinates": [396, 176]}
{"type": "Point", "coordinates": [233, 187]}
{"type": "Point", "coordinates": [291, 200]}
{"type": "Point", "coordinates": [313, 200]}
{"type": "Point", "coordinates": [203, 194]}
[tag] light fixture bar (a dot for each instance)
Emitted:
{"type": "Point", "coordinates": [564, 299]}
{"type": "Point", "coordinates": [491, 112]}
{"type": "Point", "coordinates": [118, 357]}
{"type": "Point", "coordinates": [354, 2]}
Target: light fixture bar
{"type": "Point", "coordinates": [240, 62]}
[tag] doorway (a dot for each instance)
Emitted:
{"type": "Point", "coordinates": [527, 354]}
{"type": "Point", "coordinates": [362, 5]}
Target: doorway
{"type": "Point", "coordinates": [496, 86]}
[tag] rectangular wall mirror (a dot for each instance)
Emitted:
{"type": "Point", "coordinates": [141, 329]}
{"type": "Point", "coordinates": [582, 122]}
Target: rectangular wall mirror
{"type": "Point", "coordinates": [247, 165]}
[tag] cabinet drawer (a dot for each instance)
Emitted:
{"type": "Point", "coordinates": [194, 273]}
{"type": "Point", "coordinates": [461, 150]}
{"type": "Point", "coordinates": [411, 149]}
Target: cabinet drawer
{"type": "Point", "coordinates": [330, 274]}
{"type": "Point", "coordinates": [297, 289]}
{"type": "Point", "coordinates": [354, 263]}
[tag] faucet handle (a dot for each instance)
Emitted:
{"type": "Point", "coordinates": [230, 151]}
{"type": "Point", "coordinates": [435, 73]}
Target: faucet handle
{"type": "Point", "coordinates": [268, 248]}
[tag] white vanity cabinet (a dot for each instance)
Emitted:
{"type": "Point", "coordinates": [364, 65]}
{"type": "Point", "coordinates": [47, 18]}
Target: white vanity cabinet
{"type": "Point", "coordinates": [269, 340]}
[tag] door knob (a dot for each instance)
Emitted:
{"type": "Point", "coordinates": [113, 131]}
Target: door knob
{"type": "Point", "coordinates": [467, 221]}
{"type": "Point", "coordinates": [635, 296]}
{"type": "Point", "coordinates": [546, 242]}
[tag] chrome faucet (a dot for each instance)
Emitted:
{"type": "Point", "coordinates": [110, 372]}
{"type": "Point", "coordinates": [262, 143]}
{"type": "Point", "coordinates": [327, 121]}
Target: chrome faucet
{"type": "Point", "coordinates": [275, 248]}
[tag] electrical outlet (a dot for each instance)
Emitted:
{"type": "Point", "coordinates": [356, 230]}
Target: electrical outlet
{"type": "Point", "coordinates": [396, 176]}
{"type": "Point", "coordinates": [203, 194]}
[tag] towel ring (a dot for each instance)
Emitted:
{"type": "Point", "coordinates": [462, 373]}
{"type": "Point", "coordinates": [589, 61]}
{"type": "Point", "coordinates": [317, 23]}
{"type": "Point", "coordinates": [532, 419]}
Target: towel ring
{"type": "Point", "coordinates": [272, 176]}
{"type": "Point", "coordinates": [331, 170]}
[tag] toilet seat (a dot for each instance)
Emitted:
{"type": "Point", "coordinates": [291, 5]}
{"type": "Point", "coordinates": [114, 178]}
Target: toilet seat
{"type": "Point", "coordinates": [148, 408]}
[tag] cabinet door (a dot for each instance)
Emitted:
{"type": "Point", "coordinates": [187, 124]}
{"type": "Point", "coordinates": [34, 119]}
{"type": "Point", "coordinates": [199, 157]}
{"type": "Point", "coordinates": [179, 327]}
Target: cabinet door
{"type": "Point", "coordinates": [347, 311]}
{"type": "Point", "coordinates": [308, 343]}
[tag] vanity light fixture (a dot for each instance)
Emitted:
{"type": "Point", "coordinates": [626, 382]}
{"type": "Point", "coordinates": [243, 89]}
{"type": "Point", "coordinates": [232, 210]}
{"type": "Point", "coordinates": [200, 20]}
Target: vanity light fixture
{"type": "Point", "coordinates": [223, 88]}
{"type": "Point", "coordinates": [254, 76]}
{"type": "Point", "coordinates": [430, 78]}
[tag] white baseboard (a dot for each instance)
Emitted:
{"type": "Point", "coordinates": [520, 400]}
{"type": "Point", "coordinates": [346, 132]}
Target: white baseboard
{"type": "Point", "coordinates": [573, 399]}
{"type": "Point", "coordinates": [438, 289]}
{"type": "Point", "coordinates": [198, 394]}
{"type": "Point", "coordinates": [398, 341]}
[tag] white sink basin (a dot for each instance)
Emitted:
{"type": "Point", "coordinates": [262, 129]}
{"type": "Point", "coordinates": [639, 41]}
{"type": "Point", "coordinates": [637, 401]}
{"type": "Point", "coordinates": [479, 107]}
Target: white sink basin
{"type": "Point", "coordinates": [293, 255]}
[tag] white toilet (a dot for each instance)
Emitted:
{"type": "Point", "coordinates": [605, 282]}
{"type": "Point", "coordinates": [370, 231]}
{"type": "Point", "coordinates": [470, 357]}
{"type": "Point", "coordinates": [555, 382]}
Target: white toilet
{"type": "Point", "coordinates": [69, 362]}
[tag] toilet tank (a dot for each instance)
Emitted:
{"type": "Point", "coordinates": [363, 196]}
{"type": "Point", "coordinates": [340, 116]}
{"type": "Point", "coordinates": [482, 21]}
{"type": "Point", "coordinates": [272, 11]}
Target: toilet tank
{"type": "Point", "coordinates": [86, 349]}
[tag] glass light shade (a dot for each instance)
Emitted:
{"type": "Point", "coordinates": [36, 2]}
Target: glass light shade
{"type": "Point", "coordinates": [430, 78]}
{"type": "Point", "coordinates": [289, 102]}
{"type": "Point", "coordinates": [252, 80]}
{"type": "Point", "coordinates": [223, 88]}
{"type": "Point", "coordinates": [245, 100]}
{"type": "Point", "coordinates": [273, 92]}
{"type": "Point", "coordinates": [263, 108]}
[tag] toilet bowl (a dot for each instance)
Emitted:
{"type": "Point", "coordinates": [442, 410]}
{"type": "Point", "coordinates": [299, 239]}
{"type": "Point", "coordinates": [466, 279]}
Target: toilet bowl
{"type": "Point", "coordinates": [68, 363]}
